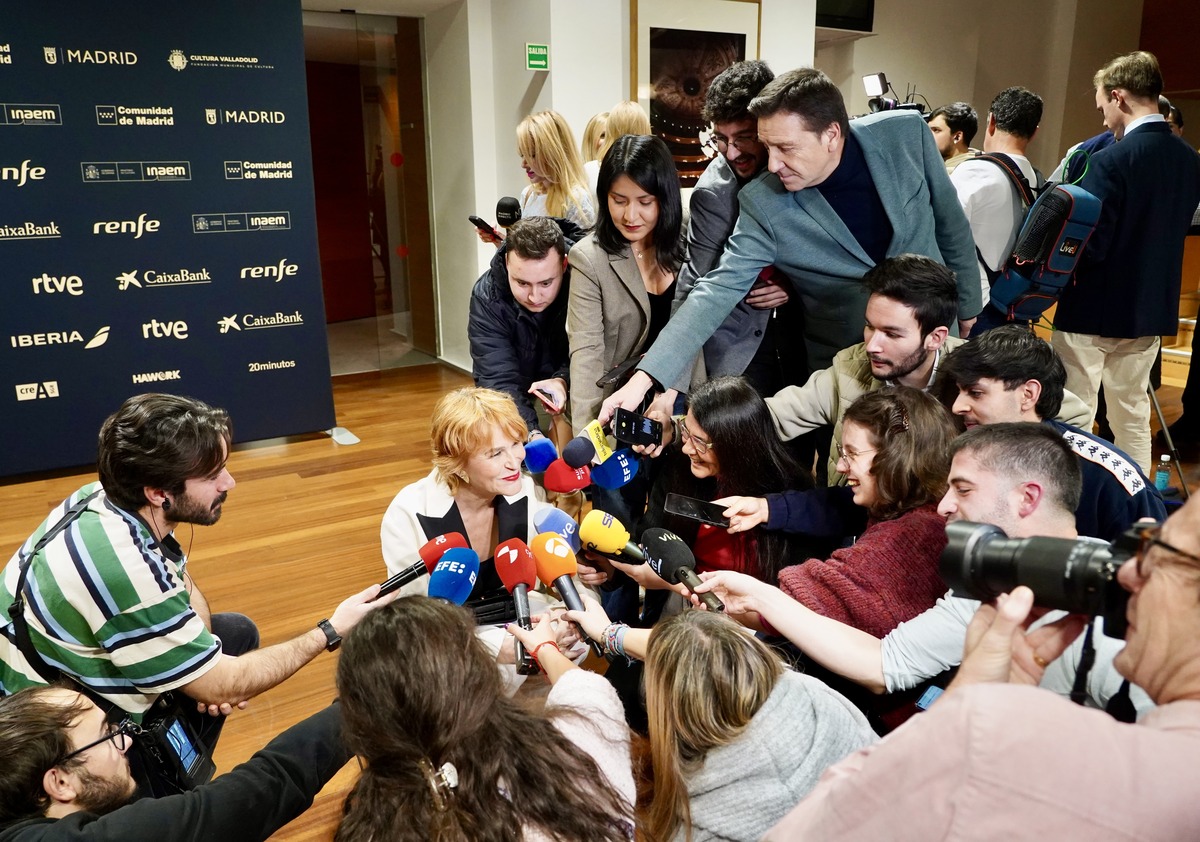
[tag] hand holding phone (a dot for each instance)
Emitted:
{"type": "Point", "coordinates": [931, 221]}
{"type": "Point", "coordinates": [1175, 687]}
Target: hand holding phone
{"type": "Point", "coordinates": [552, 393]}
{"type": "Point", "coordinates": [632, 428]}
{"type": "Point", "coordinates": [487, 232]}
{"type": "Point", "coordinates": [701, 510]}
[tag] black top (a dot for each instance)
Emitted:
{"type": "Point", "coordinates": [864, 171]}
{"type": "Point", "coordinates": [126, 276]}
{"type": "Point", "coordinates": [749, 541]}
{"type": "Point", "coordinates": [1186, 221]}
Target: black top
{"type": "Point", "coordinates": [852, 195]}
{"type": "Point", "coordinates": [660, 312]}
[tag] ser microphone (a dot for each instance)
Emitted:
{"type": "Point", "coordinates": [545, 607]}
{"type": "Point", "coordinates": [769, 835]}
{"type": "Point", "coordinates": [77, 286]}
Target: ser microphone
{"type": "Point", "coordinates": [431, 552]}
{"type": "Point", "coordinates": [564, 479]}
{"type": "Point", "coordinates": [550, 519]}
{"type": "Point", "coordinates": [453, 577]}
{"type": "Point", "coordinates": [516, 568]}
{"type": "Point", "coordinates": [670, 558]}
{"type": "Point", "coordinates": [539, 453]}
{"type": "Point", "coordinates": [602, 533]}
{"type": "Point", "coordinates": [508, 212]}
{"type": "Point", "coordinates": [555, 563]}
{"type": "Point", "coordinates": [616, 471]}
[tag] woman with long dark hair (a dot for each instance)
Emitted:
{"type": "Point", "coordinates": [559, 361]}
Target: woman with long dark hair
{"type": "Point", "coordinates": [448, 757]}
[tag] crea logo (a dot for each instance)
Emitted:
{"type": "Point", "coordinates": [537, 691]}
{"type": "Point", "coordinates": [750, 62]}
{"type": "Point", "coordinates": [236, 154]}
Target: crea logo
{"type": "Point", "coordinates": [37, 391]}
{"type": "Point", "coordinates": [59, 337]}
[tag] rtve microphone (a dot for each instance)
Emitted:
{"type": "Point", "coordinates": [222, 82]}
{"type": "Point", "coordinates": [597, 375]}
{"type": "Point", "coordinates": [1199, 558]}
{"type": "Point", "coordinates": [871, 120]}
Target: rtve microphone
{"type": "Point", "coordinates": [603, 533]}
{"type": "Point", "coordinates": [555, 563]}
{"type": "Point", "coordinates": [579, 451]}
{"type": "Point", "coordinates": [431, 552]}
{"type": "Point", "coordinates": [564, 479]}
{"type": "Point", "coordinates": [508, 212]}
{"type": "Point", "coordinates": [539, 453]}
{"type": "Point", "coordinates": [453, 578]}
{"type": "Point", "coordinates": [670, 558]}
{"type": "Point", "coordinates": [550, 519]}
{"type": "Point", "coordinates": [617, 470]}
{"type": "Point", "coordinates": [516, 568]}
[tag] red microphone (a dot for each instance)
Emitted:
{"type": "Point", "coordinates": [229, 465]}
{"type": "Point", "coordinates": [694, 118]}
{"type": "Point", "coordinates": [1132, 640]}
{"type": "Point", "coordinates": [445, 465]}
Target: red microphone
{"type": "Point", "coordinates": [515, 566]}
{"type": "Point", "coordinates": [431, 552]}
{"type": "Point", "coordinates": [564, 479]}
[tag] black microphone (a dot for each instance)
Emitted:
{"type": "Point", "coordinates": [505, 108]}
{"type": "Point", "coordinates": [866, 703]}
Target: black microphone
{"type": "Point", "coordinates": [670, 558]}
{"type": "Point", "coordinates": [508, 212]}
{"type": "Point", "coordinates": [578, 452]}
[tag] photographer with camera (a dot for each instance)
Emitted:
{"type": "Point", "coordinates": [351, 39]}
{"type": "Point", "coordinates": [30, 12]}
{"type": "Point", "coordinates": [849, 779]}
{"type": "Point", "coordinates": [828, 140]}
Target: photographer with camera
{"type": "Point", "coordinates": [995, 759]}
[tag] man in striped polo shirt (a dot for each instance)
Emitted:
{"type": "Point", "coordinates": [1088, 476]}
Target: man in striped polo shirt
{"type": "Point", "coordinates": [108, 599]}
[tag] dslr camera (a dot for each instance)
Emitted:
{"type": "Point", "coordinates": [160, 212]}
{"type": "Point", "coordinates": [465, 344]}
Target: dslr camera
{"type": "Point", "coordinates": [1077, 576]}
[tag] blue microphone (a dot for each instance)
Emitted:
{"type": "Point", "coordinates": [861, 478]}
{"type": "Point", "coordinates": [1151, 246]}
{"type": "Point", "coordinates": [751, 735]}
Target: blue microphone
{"type": "Point", "coordinates": [617, 470]}
{"type": "Point", "coordinates": [551, 519]}
{"type": "Point", "coordinates": [454, 577]}
{"type": "Point", "coordinates": [539, 453]}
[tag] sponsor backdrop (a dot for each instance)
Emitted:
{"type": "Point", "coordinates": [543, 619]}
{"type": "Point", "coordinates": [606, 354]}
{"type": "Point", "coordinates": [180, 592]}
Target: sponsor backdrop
{"type": "Point", "coordinates": [157, 228]}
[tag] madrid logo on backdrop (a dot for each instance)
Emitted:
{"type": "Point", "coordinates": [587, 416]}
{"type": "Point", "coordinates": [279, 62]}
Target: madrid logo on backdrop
{"type": "Point", "coordinates": [234, 116]}
{"type": "Point", "coordinates": [54, 55]}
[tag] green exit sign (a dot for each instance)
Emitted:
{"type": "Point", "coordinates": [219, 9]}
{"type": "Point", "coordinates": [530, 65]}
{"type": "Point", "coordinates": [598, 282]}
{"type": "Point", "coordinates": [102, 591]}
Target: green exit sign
{"type": "Point", "coordinates": [537, 56]}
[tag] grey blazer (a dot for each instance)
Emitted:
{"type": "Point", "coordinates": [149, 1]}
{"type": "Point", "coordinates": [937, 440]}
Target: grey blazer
{"type": "Point", "coordinates": [802, 235]}
{"type": "Point", "coordinates": [608, 320]}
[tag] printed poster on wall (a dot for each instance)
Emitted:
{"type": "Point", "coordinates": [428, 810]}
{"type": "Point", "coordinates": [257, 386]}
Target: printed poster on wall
{"type": "Point", "coordinates": [157, 226]}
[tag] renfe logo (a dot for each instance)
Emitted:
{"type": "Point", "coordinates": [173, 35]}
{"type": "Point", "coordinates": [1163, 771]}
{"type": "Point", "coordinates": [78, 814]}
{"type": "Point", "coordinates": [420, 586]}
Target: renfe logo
{"type": "Point", "coordinates": [22, 174]}
{"type": "Point", "coordinates": [128, 226]}
{"type": "Point", "coordinates": [72, 284]}
{"type": "Point", "coordinates": [284, 269]}
{"type": "Point", "coordinates": [164, 330]}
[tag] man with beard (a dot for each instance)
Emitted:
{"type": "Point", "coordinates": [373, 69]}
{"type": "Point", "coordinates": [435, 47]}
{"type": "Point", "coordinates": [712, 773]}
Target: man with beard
{"type": "Point", "coordinates": [763, 337]}
{"type": "Point", "coordinates": [108, 599]}
{"type": "Point", "coordinates": [66, 777]}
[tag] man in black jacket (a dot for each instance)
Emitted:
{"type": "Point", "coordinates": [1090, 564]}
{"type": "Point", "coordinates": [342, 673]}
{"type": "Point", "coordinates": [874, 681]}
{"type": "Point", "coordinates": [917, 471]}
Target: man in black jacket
{"type": "Point", "coordinates": [518, 321]}
{"type": "Point", "coordinates": [65, 777]}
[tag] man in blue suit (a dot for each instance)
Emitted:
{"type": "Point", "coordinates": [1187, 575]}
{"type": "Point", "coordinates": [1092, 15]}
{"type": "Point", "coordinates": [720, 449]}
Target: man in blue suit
{"type": "Point", "coordinates": [1126, 293]}
{"type": "Point", "coordinates": [838, 199]}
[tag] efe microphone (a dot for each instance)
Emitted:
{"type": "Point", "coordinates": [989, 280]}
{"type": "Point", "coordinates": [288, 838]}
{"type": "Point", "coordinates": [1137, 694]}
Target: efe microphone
{"type": "Point", "coordinates": [431, 552]}
{"type": "Point", "coordinates": [670, 558]}
{"type": "Point", "coordinates": [453, 578]}
{"type": "Point", "coordinates": [516, 568]}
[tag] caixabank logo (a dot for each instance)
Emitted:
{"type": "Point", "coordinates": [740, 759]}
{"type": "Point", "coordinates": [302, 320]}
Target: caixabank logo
{"type": "Point", "coordinates": [226, 223]}
{"type": "Point", "coordinates": [72, 55]}
{"type": "Point", "coordinates": [30, 114]}
{"type": "Point", "coordinates": [30, 231]}
{"type": "Point", "coordinates": [154, 278]}
{"type": "Point", "coordinates": [243, 117]}
{"type": "Point", "coordinates": [67, 336]}
{"type": "Point", "coordinates": [100, 172]}
{"type": "Point", "coordinates": [238, 322]}
{"type": "Point", "coordinates": [37, 391]}
{"type": "Point", "coordinates": [135, 115]}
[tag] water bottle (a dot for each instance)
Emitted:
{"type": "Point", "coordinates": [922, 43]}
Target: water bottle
{"type": "Point", "coordinates": [1162, 475]}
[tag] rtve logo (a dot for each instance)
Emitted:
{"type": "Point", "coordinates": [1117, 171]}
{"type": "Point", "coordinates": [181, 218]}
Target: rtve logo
{"type": "Point", "coordinates": [46, 283]}
{"type": "Point", "coordinates": [164, 330]}
{"type": "Point", "coordinates": [22, 174]}
{"type": "Point", "coordinates": [283, 270]}
{"type": "Point", "coordinates": [137, 227]}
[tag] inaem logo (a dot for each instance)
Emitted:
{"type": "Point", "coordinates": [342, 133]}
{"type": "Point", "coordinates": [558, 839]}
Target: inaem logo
{"type": "Point", "coordinates": [229, 323]}
{"type": "Point", "coordinates": [36, 391]}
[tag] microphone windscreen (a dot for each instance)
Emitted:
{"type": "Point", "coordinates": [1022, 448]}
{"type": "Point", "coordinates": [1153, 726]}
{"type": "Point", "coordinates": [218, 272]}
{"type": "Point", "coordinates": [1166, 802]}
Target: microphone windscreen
{"type": "Point", "coordinates": [603, 531]}
{"type": "Point", "coordinates": [453, 578]}
{"type": "Point", "coordinates": [550, 519]}
{"type": "Point", "coordinates": [666, 553]}
{"type": "Point", "coordinates": [564, 479]}
{"type": "Point", "coordinates": [617, 470]}
{"type": "Point", "coordinates": [578, 452]}
{"type": "Point", "coordinates": [431, 551]}
{"type": "Point", "coordinates": [514, 564]}
{"type": "Point", "coordinates": [552, 556]}
{"type": "Point", "coordinates": [539, 453]}
{"type": "Point", "coordinates": [508, 212]}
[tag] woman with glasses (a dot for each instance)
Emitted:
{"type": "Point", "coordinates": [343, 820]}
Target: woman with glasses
{"type": "Point", "coordinates": [477, 489]}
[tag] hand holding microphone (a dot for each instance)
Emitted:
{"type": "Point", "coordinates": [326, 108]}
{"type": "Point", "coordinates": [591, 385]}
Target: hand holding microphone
{"type": "Point", "coordinates": [670, 558]}
{"type": "Point", "coordinates": [431, 552]}
{"type": "Point", "coordinates": [515, 566]}
{"type": "Point", "coordinates": [555, 563]}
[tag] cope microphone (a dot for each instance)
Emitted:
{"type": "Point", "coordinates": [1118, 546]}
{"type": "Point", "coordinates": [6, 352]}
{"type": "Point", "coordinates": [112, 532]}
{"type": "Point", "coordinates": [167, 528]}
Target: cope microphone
{"type": "Point", "coordinates": [616, 471]}
{"type": "Point", "coordinates": [564, 479]}
{"type": "Point", "coordinates": [431, 552]}
{"type": "Point", "coordinates": [508, 212]}
{"type": "Point", "coordinates": [555, 563]}
{"type": "Point", "coordinates": [550, 519]}
{"type": "Point", "coordinates": [602, 533]}
{"type": "Point", "coordinates": [578, 452]}
{"type": "Point", "coordinates": [453, 577]}
{"type": "Point", "coordinates": [670, 558]}
{"type": "Point", "coordinates": [515, 566]}
{"type": "Point", "coordinates": [539, 453]}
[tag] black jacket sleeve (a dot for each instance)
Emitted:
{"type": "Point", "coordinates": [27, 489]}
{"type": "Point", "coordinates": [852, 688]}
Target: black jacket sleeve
{"type": "Point", "coordinates": [494, 358]}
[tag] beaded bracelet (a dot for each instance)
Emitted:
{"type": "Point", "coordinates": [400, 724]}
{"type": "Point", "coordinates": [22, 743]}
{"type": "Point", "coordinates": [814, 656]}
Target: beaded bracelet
{"type": "Point", "coordinates": [534, 653]}
{"type": "Point", "coordinates": [614, 639]}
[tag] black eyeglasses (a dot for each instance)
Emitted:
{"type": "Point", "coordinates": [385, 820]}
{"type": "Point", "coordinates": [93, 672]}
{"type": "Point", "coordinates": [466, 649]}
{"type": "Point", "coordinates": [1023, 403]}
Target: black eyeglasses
{"type": "Point", "coordinates": [123, 730]}
{"type": "Point", "coordinates": [1149, 538]}
{"type": "Point", "coordinates": [700, 444]}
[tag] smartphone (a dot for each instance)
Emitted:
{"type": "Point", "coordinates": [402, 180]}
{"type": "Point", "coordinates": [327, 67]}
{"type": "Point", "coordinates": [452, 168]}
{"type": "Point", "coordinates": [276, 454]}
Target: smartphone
{"type": "Point", "coordinates": [547, 401]}
{"type": "Point", "coordinates": [631, 428]}
{"type": "Point", "coordinates": [690, 507]}
{"type": "Point", "coordinates": [618, 371]}
{"type": "Point", "coordinates": [481, 225]}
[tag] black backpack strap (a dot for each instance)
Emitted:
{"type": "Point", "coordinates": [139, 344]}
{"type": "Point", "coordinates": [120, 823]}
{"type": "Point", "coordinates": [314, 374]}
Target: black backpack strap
{"type": "Point", "coordinates": [1021, 184]}
{"type": "Point", "coordinates": [16, 611]}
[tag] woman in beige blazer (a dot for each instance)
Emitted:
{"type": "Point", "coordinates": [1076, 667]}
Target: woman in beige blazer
{"type": "Point", "coordinates": [623, 273]}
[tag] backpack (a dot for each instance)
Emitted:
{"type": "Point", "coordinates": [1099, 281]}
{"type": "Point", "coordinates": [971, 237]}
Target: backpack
{"type": "Point", "coordinates": [1059, 219]}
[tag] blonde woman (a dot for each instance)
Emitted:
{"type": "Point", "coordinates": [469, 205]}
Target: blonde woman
{"type": "Point", "coordinates": [593, 138]}
{"type": "Point", "coordinates": [625, 118]}
{"type": "Point", "coordinates": [557, 184]}
{"type": "Point", "coordinates": [736, 739]}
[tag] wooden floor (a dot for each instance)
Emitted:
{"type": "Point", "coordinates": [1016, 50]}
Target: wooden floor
{"type": "Point", "coordinates": [300, 532]}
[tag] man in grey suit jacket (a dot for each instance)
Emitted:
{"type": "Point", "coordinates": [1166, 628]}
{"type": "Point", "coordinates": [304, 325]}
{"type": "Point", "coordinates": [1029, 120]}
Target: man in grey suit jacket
{"type": "Point", "coordinates": [762, 336]}
{"type": "Point", "coordinates": [878, 189]}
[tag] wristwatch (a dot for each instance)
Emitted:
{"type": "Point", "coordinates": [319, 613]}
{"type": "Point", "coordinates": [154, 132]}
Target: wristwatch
{"type": "Point", "coordinates": [332, 639]}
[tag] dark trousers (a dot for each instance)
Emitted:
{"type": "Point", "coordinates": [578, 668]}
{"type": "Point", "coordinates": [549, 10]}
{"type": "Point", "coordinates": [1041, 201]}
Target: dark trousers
{"type": "Point", "coordinates": [238, 635]}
